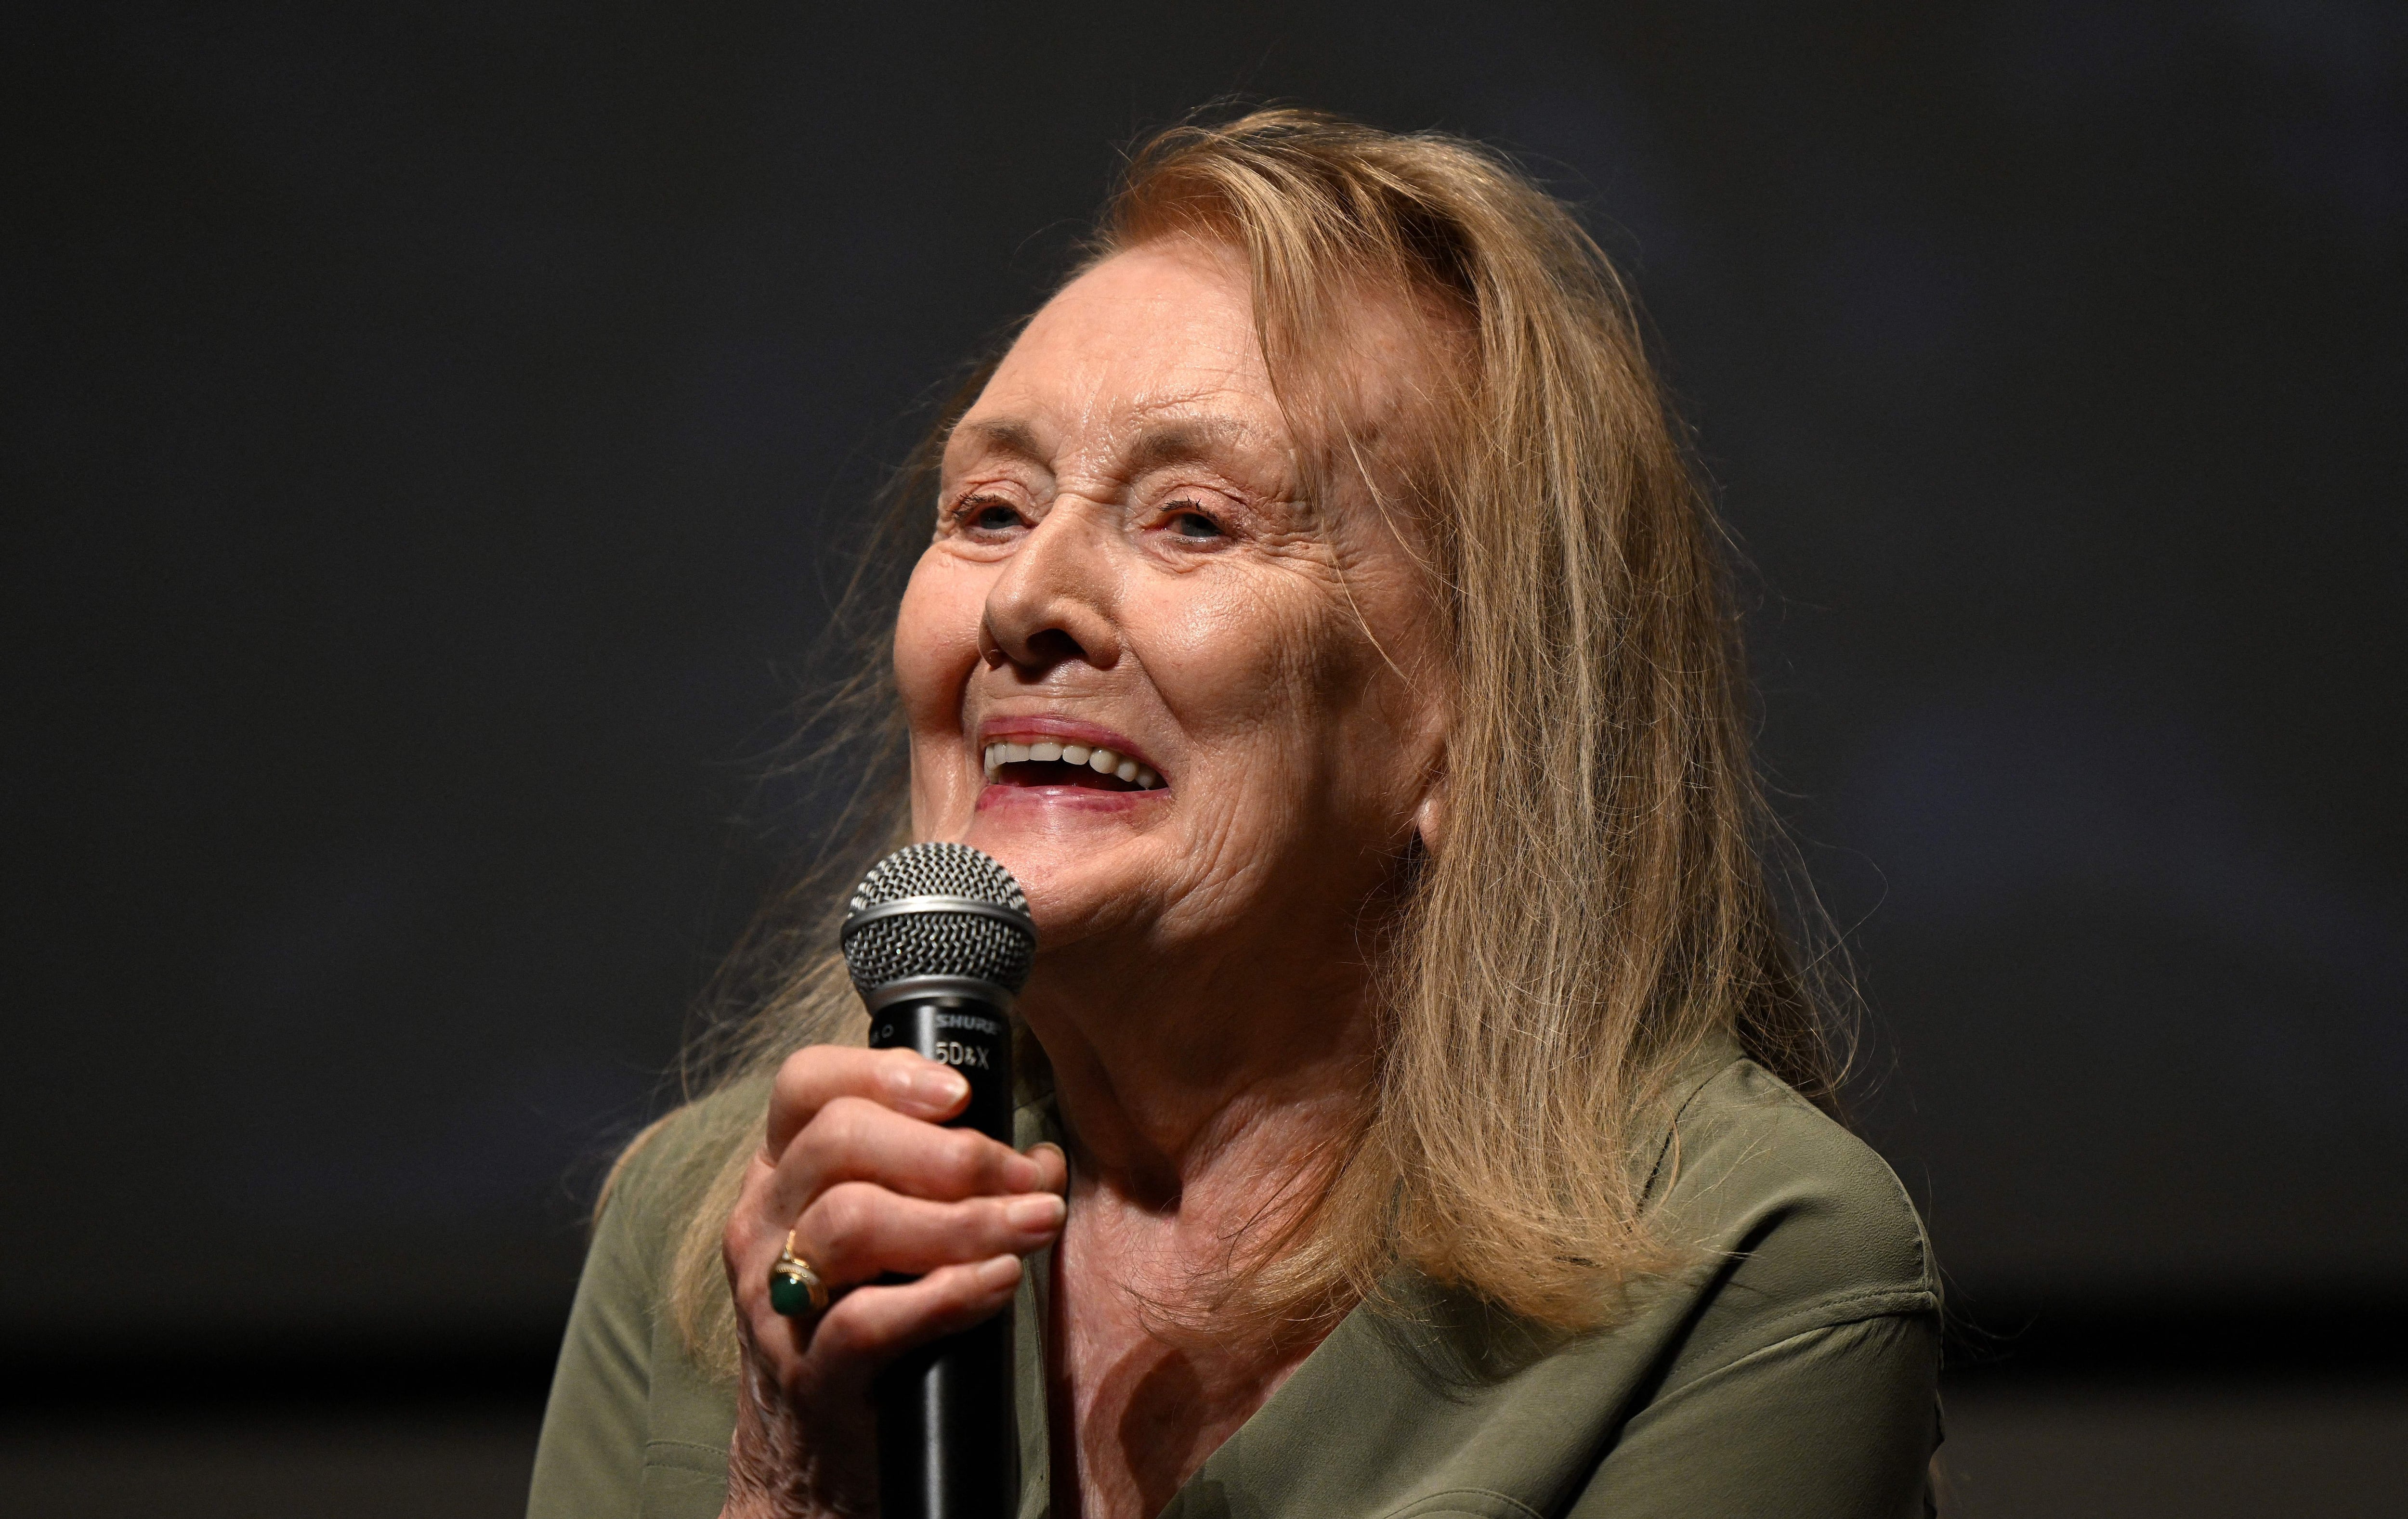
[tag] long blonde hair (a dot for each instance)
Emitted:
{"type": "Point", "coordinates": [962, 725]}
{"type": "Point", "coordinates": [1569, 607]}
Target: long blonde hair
{"type": "Point", "coordinates": [1598, 911]}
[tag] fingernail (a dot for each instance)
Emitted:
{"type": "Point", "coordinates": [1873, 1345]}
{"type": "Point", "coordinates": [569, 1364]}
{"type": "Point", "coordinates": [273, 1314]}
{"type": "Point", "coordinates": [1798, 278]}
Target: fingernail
{"type": "Point", "coordinates": [938, 1085]}
{"type": "Point", "coordinates": [998, 1273]}
{"type": "Point", "coordinates": [1040, 1210]}
{"type": "Point", "coordinates": [1062, 1160]}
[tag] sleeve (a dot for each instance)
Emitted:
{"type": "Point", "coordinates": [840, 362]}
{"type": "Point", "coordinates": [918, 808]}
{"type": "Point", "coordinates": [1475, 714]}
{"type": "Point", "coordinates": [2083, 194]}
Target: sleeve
{"type": "Point", "coordinates": [589, 1463]}
{"type": "Point", "coordinates": [1835, 1422]}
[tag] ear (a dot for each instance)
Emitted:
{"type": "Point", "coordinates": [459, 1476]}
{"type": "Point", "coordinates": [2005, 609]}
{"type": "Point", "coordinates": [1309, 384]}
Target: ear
{"type": "Point", "coordinates": [1430, 813]}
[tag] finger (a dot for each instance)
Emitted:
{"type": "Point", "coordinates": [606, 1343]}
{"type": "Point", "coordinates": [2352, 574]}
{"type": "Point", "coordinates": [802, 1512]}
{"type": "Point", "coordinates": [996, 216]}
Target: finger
{"type": "Point", "coordinates": [855, 1140]}
{"type": "Point", "coordinates": [815, 1076]}
{"type": "Point", "coordinates": [856, 1231]}
{"type": "Point", "coordinates": [749, 1244]}
{"type": "Point", "coordinates": [1053, 1167]}
{"type": "Point", "coordinates": [869, 1326]}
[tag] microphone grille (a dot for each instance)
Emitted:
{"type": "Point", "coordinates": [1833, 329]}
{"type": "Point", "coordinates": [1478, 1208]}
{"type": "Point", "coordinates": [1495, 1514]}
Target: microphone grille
{"type": "Point", "coordinates": [937, 942]}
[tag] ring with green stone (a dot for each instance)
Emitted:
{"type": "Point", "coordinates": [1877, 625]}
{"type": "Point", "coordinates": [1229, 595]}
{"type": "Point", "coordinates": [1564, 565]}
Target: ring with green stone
{"type": "Point", "coordinates": [794, 1289]}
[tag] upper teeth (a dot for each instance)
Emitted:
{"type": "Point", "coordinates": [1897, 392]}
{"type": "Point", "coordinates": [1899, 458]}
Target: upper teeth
{"type": "Point", "coordinates": [1101, 761]}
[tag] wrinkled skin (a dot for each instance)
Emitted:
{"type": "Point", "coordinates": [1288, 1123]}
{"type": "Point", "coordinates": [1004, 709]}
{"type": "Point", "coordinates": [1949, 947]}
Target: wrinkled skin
{"type": "Point", "coordinates": [1123, 559]}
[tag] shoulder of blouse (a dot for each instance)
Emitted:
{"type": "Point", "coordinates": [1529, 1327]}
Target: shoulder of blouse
{"type": "Point", "coordinates": [635, 1428]}
{"type": "Point", "coordinates": [663, 1170]}
{"type": "Point", "coordinates": [1787, 1220]}
{"type": "Point", "coordinates": [1783, 1362]}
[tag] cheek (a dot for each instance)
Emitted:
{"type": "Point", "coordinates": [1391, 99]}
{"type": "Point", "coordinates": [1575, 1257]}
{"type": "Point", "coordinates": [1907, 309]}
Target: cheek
{"type": "Point", "coordinates": [1336, 719]}
{"type": "Point", "coordinates": [936, 641]}
{"type": "Point", "coordinates": [1226, 664]}
{"type": "Point", "coordinates": [1266, 674]}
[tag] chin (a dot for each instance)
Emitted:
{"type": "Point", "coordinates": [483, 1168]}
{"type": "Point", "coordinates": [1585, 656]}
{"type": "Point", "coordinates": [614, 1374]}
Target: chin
{"type": "Point", "coordinates": [1063, 858]}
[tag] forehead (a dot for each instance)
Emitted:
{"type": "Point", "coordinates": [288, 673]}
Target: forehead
{"type": "Point", "coordinates": [1164, 333]}
{"type": "Point", "coordinates": [1153, 332]}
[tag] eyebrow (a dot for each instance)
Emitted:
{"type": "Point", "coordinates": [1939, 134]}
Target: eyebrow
{"type": "Point", "coordinates": [1183, 440]}
{"type": "Point", "coordinates": [1008, 435]}
{"type": "Point", "coordinates": [1187, 440]}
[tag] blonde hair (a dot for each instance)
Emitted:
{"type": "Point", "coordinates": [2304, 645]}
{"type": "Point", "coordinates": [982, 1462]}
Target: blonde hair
{"type": "Point", "coordinates": [1598, 910]}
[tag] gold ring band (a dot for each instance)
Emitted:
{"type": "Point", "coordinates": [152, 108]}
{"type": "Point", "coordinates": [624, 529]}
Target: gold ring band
{"type": "Point", "coordinates": [794, 1289]}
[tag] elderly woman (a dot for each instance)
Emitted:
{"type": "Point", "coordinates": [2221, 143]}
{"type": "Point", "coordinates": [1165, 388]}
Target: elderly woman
{"type": "Point", "coordinates": [1427, 1112]}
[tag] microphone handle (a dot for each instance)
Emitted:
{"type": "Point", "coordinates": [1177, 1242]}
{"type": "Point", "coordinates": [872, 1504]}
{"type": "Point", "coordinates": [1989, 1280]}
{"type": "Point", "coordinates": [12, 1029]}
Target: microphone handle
{"type": "Point", "coordinates": [948, 1438]}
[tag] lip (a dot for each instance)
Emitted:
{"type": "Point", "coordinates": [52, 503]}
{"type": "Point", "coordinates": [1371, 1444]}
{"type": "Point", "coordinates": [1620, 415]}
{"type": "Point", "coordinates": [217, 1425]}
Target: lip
{"type": "Point", "coordinates": [1062, 730]}
{"type": "Point", "coordinates": [1057, 800]}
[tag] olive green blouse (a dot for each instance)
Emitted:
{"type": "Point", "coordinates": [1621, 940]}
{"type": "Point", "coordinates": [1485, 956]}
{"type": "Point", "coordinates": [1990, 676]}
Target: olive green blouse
{"type": "Point", "coordinates": [1791, 1370]}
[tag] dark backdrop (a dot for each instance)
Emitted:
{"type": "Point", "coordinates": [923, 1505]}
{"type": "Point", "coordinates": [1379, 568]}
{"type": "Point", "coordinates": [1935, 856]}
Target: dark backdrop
{"type": "Point", "coordinates": [433, 430]}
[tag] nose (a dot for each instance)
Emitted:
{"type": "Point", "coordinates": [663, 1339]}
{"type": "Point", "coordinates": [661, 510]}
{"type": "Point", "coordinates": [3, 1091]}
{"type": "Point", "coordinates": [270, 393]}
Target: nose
{"type": "Point", "coordinates": [1052, 604]}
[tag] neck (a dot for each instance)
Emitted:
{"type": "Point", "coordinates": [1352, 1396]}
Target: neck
{"type": "Point", "coordinates": [1203, 1087]}
{"type": "Point", "coordinates": [1196, 1090]}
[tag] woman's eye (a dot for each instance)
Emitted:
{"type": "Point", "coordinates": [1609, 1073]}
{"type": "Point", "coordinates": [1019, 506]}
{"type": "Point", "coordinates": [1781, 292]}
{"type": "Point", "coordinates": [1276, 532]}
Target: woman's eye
{"type": "Point", "coordinates": [1190, 523]}
{"type": "Point", "coordinates": [988, 515]}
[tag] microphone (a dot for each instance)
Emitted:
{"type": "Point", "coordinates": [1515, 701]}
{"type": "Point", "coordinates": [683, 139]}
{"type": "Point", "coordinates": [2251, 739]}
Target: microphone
{"type": "Point", "coordinates": [938, 940]}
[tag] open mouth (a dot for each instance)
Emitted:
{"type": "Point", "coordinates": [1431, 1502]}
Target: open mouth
{"type": "Point", "coordinates": [1049, 762]}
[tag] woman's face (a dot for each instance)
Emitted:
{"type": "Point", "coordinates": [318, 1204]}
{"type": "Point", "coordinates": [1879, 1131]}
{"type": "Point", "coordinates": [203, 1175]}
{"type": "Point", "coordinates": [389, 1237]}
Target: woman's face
{"type": "Point", "coordinates": [1172, 697]}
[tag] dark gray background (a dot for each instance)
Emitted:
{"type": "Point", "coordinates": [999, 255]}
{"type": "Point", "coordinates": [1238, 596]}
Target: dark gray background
{"type": "Point", "coordinates": [433, 431]}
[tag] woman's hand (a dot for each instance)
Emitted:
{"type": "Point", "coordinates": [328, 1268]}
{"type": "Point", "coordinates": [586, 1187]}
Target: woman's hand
{"type": "Point", "coordinates": [855, 1165]}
